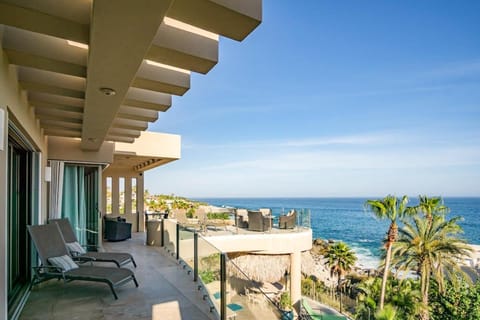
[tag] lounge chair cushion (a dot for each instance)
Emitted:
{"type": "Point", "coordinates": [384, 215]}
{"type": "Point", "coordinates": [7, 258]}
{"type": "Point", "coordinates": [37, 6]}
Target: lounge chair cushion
{"type": "Point", "coordinates": [64, 262]}
{"type": "Point", "coordinates": [75, 248]}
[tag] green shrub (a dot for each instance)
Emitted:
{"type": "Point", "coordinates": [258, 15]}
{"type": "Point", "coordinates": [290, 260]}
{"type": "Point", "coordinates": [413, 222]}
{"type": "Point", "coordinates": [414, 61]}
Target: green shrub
{"type": "Point", "coordinates": [285, 301]}
{"type": "Point", "coordinates": [208, 276]}
{"type": "Point", "coordinates": [220, 215]}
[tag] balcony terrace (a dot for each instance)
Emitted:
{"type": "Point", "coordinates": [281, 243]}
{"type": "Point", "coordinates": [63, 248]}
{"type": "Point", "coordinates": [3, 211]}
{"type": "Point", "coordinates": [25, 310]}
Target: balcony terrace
{"type": "Point", "coordinates": [167, 279]}
{"type": "Point", "coordinates": [165, 292]}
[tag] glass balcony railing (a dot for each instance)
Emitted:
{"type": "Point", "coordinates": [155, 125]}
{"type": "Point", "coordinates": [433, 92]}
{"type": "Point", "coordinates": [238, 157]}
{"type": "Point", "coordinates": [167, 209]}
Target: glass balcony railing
{"type": "Point", "coordinates": [277, 222]}
{"type": "Point", "coordinates": [169, 231]}
{"type": "Point", "coordinates": [249, 299]}
{"type": "Point", "coordinates": [209, 273]}
{"type": "Point", "coordinates": [229, 291]}
{"type": "Point", "coordinates": [303, 218]}
{"type": "Point", "coordinates": [186, 243]}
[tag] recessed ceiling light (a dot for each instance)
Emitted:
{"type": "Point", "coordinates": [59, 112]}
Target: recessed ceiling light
{"type": "Point", "coordinates": [77, 44]}
{"type": "Point", "coordinates": [107, 91]}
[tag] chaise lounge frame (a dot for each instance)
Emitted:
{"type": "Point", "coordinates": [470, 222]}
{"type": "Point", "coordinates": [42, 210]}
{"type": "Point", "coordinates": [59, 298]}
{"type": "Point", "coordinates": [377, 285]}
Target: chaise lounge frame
{"type": "Point", "coordinates": [50, 243]}
{"type": "Point", "coordinates": [119, 258]}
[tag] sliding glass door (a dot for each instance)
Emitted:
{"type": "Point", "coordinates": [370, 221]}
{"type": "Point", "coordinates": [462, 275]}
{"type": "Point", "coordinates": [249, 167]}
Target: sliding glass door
{"type": "Point", "coordinates": [80, 201]}
{"type": "Point", "coordinates": [19, 216]}
{"type": "Point", "coordinates": [92, 198]}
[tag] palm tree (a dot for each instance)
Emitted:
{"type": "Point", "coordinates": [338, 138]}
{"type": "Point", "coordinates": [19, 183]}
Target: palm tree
{"type": "Point", "coordinates": [340, 260]}
{"type": "Point", "coordinates": [430, 207]}
{"type": "Point", "coordinates": [430, 248]}
{"type": "Point", "coordinates": [392, 209]}
{"type": "Point", "coordinates": [180, 204]}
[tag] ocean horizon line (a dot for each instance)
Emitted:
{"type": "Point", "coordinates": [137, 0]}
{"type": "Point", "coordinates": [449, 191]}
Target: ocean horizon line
{"type": "Point", "coordinates": [322, 197]}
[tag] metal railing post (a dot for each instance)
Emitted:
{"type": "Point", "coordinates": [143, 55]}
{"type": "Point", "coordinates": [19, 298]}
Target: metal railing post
{"type": "Point", "coordinates": [177, 240]}
{"type": "Point", "coordinates": [223, 286]}
{"type": "Point", "coordinates": [195, 256]}
{"type": "Point", "coordinates": [162, 233]}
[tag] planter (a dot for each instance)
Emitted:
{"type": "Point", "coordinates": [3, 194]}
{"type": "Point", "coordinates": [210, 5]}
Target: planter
{"type": "Point", "coordinates": [287, 315]}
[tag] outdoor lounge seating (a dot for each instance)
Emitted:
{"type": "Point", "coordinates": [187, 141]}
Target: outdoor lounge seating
{"type": "Point", "coordinates": [258, 222]}
{"type": "Point", "coordinates": [57, 263]}
{"type": "Point", "coordinates": [288, 221]}
{"type": "Point", "coordinates": [117, 229]}
{"type": "Point", "coordinates": [242, 218]}
{"type": "Point", "coordinates": [119, 258]}
{"type": "Point", "coordinates": [266, 211]}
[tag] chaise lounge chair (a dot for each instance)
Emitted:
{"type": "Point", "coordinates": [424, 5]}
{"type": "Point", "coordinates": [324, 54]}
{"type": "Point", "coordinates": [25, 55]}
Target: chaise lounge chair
{"type": "Point", "coordinates": [57, 263]}
{"type": "Point", "coordinates": [79, 253]}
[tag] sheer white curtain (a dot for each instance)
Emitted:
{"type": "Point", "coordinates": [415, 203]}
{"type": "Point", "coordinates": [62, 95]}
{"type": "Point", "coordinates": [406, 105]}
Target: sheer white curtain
{"type": "Point", "coordinates": [56, 189]}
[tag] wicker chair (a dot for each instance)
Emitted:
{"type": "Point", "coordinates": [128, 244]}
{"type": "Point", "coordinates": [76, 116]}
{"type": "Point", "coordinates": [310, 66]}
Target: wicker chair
{"type": "Point", "coordinates": [266, 211]}
{"type": "Point", "coordinates": [258, 222]}
{"type": "Point", "coordinates": [242, 218]}
{"type": "Point", "coordinates": [288, 221]}
{"type": "Point", "coordinates": [117, 229]}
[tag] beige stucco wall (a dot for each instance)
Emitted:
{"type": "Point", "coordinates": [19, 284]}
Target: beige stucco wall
{"type": "Point", "coordinates": [261, 243]}
{"type": "Point", "coordinates": [13, 102]}
{"type": "Point", "coordinates": [68, 149]}
{"type": "Point", "coordinates": [265, 243]}
{"type": "Point", "coordinates": [152, 144]}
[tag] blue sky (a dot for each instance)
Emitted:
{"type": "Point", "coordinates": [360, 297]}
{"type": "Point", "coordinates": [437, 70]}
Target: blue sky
{"type": "Point", "coordinates": [335, 98]}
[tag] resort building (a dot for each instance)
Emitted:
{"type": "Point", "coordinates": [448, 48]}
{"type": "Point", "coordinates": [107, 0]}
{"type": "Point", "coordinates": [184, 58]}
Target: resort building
{"type": "Point", "coordinates": [80, 81]}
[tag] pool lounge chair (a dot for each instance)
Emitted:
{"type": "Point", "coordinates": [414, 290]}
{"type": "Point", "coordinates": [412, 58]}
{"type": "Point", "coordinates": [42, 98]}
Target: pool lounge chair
{"type": "Point", "coordinates": [57, 263]}
{"type": "Point", "coordinates": [78, 253]}
{"type": "Point", "coordinates": [307, 312]}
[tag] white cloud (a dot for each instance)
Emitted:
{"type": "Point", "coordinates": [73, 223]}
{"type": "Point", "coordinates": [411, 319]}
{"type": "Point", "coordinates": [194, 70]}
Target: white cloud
{"type": "Point", "coordinates": [412, 158]}
{"type": "Point", "coordinates": [350, 165]}
{"type": "Point", "coordinates": [457, 69]}
{"type": "Point", "coordinates": [349, 140]}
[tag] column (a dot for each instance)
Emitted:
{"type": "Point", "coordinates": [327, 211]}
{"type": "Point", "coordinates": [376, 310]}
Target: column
{"type": "Point", "coordinates": [115, 195]}
{"type": "Point", "coordinates": [129, 214]}
{"type": "Point", "coordinates": [140, 208]}
{"type": "Point", "coordinates": [103, 185]}
{"type": "Point", "coordinates": [296, 278]}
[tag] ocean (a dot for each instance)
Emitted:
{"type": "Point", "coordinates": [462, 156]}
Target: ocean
{"type": "Point", "coordinates": [344, 219]}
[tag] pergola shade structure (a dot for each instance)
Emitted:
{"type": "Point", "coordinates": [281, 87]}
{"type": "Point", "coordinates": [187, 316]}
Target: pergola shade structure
{"type": "Point", "coordinates": [102, 70]}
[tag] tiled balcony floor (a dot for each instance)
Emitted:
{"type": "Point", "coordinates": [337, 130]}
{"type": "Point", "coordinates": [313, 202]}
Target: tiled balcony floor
{"type": "Point", "coordinates": [165, 292]}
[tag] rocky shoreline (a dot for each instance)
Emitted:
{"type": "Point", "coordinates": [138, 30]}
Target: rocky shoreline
{"type": "Point", "coordinates": [318, 268]}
